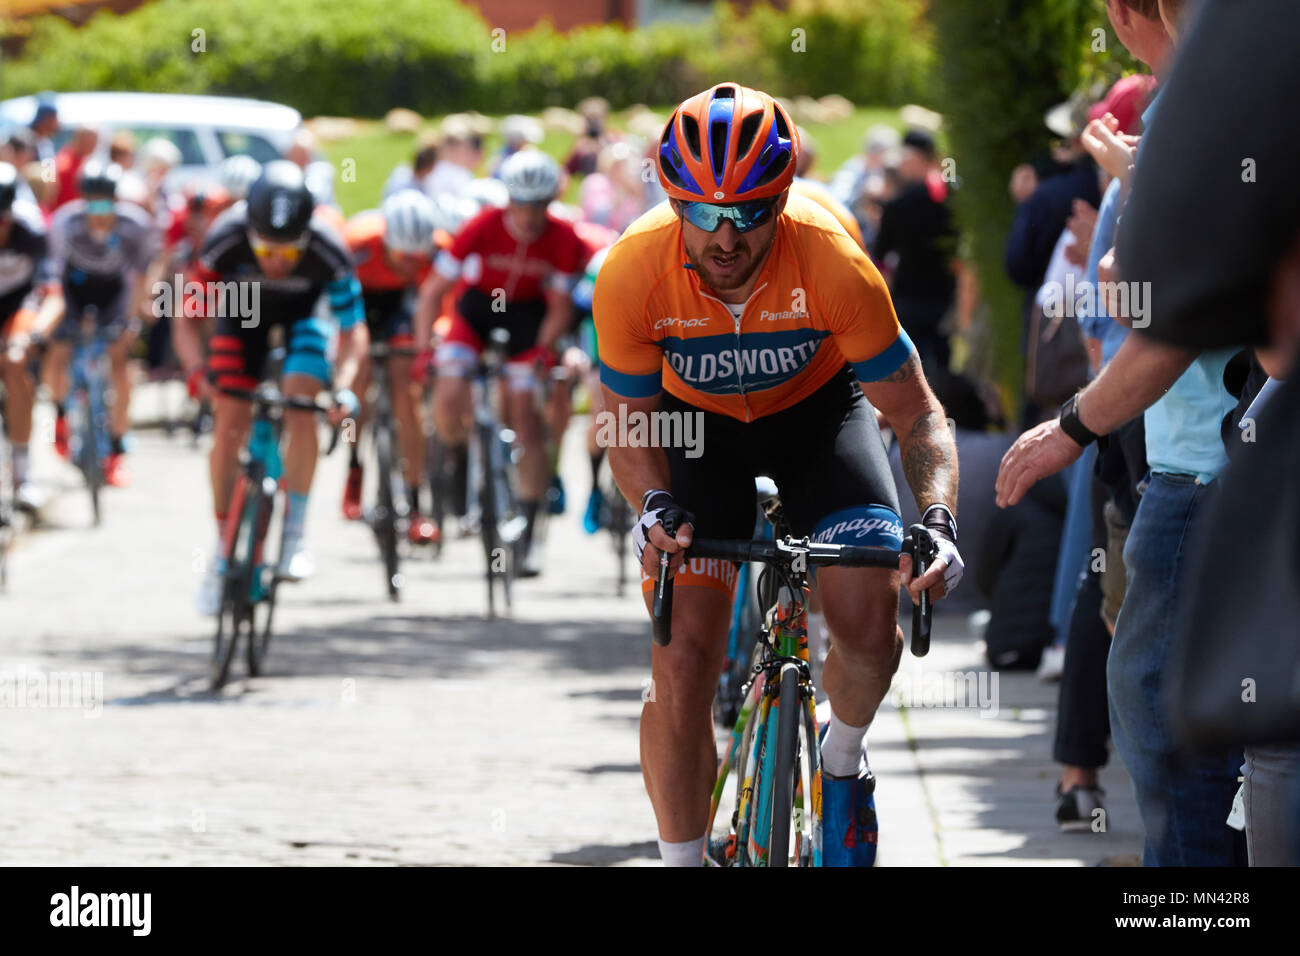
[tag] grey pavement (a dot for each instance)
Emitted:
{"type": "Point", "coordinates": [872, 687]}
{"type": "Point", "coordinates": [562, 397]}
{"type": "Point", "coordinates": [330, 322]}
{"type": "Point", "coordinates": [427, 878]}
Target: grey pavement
{"type": "Point", "coordinates": [417, 732]}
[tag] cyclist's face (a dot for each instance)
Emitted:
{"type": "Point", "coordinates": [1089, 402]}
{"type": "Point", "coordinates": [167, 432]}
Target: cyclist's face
{"type": "Point", "coordinates": [275, 259]}
{"type": "Point", "coordinates": [527, 220]}
{"type": "Point", "coordinates": [727, 259]}
{"type": "Point", "coordinates": [406, 265]}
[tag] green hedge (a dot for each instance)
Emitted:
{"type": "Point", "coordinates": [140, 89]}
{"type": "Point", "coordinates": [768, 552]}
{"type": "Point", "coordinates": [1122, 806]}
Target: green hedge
{"type": "Point", "coordinates": [363, 57]}
{"type": "Point", "coordinates": [1002, 64]}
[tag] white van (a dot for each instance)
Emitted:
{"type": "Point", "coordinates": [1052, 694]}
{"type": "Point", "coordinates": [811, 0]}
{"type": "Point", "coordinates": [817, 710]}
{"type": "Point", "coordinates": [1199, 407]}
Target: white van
{"type": "Point", "coordinates": [206, 129]}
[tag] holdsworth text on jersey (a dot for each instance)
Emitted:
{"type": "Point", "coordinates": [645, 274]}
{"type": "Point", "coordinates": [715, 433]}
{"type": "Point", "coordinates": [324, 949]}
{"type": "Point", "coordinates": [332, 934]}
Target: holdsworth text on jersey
{"type": "Point", "coordinates": [634, 429]}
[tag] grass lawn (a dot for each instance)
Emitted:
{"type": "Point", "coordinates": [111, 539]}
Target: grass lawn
{"type": "Point", "coordinates": [375, 151]}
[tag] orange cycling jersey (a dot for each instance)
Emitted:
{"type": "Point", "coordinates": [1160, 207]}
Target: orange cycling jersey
{"type": "Point", "coordinates": [818, 303]}
{"type": "Point", "coordinates": [364, 234]}
{"type": "Point", "coordinates": [822, 197]}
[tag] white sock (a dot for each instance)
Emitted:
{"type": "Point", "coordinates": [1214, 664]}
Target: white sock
{"type": "Point", "coordinates": [690, 853]}
{"type": "Point", "coordinates": [842, 748]}
{"type": "Point", "coordinates": [18, 455]}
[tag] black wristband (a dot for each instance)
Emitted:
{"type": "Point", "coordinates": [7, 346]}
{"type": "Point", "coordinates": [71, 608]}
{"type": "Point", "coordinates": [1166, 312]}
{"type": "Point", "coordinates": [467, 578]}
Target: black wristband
{"type": "Point", "coordinates": [939, 519]}
{"type": "Point", "coordinates": [1072, 426]}
{"type": "Point", "coordinates": [663, 498]}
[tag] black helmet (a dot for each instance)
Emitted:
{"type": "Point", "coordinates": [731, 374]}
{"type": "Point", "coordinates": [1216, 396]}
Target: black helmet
{"type": "Point", "coordinates": [8, 187]}
{"type": "Point", "coordinates": [279, 203]}
{"type": "Point", "coordinates": [98, 179]}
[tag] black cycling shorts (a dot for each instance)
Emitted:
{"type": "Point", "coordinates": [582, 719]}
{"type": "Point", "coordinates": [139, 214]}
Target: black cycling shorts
{"type": "Point", "coordinates": [826, 455]}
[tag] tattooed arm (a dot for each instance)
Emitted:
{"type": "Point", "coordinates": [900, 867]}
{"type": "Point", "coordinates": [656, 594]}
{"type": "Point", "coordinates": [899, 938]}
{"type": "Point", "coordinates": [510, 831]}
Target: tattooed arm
{"type": "Point", "coordinates": [929, 456]}
{"type": "Point", "coordinates": [928, 450]}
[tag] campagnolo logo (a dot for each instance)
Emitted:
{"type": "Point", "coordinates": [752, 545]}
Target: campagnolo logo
{"type": "Point", "coordinates": [859, 528]}
{"type": "Point", "coordinates": [768, 316]}
{"type": "Point", "coordinates": [673, 321]}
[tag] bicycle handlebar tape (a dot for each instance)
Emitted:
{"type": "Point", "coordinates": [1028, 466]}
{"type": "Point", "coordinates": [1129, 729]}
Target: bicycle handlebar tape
{"type": "Point", "coordinates": [922, 550]}
{"type": "Point", "coordinates": [661, 609]}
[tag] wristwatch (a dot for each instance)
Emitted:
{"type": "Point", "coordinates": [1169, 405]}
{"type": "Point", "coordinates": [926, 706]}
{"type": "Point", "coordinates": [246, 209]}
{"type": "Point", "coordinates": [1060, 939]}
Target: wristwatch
{"type": "Point", "coordinates": [1071, 425]}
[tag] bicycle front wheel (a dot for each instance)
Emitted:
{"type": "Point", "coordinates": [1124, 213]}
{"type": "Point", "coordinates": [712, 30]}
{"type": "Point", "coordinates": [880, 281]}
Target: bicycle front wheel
{"type": "Point", "coordinates": [259, 634]}
{"type": "Point", "coordinates": [88, 450]}
{"type": "Point", "coordinates": [385, 517]}
{"type": "Point", "coordinates": [786, 757]}
{"type": "Point", "coordinates": [234, 621]}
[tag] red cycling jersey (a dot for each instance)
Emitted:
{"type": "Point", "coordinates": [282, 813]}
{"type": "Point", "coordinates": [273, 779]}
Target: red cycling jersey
{"type": "Point", "coordinates": [486, 257]}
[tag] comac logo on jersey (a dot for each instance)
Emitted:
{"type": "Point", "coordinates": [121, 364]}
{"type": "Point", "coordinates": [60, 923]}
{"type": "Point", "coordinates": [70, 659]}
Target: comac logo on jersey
{"type": "Point", "coordinates": [722, 364]}
{"type": "Point", "coordinates": [673, 322]}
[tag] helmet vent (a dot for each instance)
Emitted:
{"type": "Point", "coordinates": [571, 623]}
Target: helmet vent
{"type": "Point", "coordinates": [671, 174]}
{"type": "Point", "coordinates": [718, 146]}
{"type": "Point", "coordinates": [779, 163]}
{"type": "Point", "coordinates": [748, 130]}
{"type": "Point", "coordinates": [691, 127]}
{"type": "Point", "coordinates": [782, 128]}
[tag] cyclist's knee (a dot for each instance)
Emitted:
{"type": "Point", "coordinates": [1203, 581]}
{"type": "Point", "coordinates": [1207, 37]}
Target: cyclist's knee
{"type": "Point", "coordinates": [686, 676]}
{"type": "Point", "coordinates": [861, 611]}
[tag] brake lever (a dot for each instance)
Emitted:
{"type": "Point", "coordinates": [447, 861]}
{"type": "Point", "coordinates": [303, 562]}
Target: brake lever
{"type": "Point", "coordinates": [921, 548]}
{"type": "Point", "coordinates": [661, 609]}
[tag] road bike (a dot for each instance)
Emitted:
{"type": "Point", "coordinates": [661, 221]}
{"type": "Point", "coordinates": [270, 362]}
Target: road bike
{"type": "Point", "coordinates": [391, 511]}
{"type": "Point", "coordinates": [8, 509]}
{"type": "Point", "coordinates": [746, 612]}
{"type": "Point", "coordinates": [248, 589]}
{"type": "Point", "coordinates": [774, 748]}
{"type": "Point", "coordinates": [89, 442]}
{"type": "Point", "coordinates": [491, 483]}
{"type": "Point", "coordinates": [618, 518]}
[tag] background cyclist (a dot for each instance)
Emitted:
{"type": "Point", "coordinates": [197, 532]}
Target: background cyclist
{"type": "Point", "coordinates": [392, 248]}
{"type": "Point", "coordinates": [272, 245]}
{"type": "Point", "coordinates": [518, 266]}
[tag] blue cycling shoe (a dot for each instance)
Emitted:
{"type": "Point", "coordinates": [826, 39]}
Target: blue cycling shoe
{"type": "Point", "coordinates": [555, 496]}
{"type": "Point", "coordinates": [849, 826]}
{"type": "Point", "coordinates": [595, 505]}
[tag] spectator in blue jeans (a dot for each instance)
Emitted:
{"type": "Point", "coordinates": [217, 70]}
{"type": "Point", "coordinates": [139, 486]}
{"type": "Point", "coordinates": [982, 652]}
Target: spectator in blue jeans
{"type": "Point", "coordinates": [1184, 800]}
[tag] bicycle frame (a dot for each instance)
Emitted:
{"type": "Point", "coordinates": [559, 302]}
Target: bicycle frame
{"type": "Point", "coordinates": [783, 655]}
{"type": "Point", "coordinates": [262, 468]}
{"type": "Point", "coordinates": [784, 640]}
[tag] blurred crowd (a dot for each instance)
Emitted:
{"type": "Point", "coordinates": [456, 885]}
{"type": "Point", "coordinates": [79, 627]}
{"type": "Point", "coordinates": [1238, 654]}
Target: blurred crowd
{"type": "Point", "coordinates": [1169, 354]}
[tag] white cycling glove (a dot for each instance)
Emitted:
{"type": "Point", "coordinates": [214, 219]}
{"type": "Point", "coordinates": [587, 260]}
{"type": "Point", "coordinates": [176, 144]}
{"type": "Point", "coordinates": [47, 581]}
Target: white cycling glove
{"type": "Point", "coordinates": [943, 529]}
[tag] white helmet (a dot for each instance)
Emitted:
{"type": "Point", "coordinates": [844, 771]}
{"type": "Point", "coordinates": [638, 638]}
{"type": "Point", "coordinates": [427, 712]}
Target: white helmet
{"type": "Point", "coordinates": [451, 213]}
{"type": "Point", "coordinates": [160, 152]}
{"type": "Point", "coordinates": [409, 221]}
{"type": "Point", "coordinates": [531, 176]}
{"type": "Point", "coordinates": [237, 173]}
{"type": "Point", "coordinates": [485, 192]}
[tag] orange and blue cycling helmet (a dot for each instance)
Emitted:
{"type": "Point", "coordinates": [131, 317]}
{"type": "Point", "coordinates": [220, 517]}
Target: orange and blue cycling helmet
{"type": "Point", "coordinates": [728, 144]}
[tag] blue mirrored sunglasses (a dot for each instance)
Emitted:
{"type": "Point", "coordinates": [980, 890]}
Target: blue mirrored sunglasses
{"type": "Point", "coordinates": [99, 207]}
{"type": "Point", "coordinates": [743, 215]}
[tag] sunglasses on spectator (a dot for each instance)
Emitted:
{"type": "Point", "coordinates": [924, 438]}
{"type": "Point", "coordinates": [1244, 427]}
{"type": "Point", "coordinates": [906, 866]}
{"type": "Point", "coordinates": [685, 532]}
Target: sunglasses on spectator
{"type": "Point", "coordinates": [99, 207]}
{"type": "Point", "coordinates": [743, 215]}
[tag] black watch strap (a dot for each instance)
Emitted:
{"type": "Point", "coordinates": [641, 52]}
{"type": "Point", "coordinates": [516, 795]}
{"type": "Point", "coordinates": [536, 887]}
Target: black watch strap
{"type": "Point", "coordinates": [1071, 425]}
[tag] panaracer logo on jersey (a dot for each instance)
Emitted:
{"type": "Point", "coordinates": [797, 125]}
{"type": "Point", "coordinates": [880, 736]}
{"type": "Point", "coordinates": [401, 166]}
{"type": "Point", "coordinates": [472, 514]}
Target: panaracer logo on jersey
{"type": "Point", "coordinates": [672, 322]}
{"type": "Point", "coordinates": [76, 908]}
{"type": "Point", "coordinates": [769, 316]}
